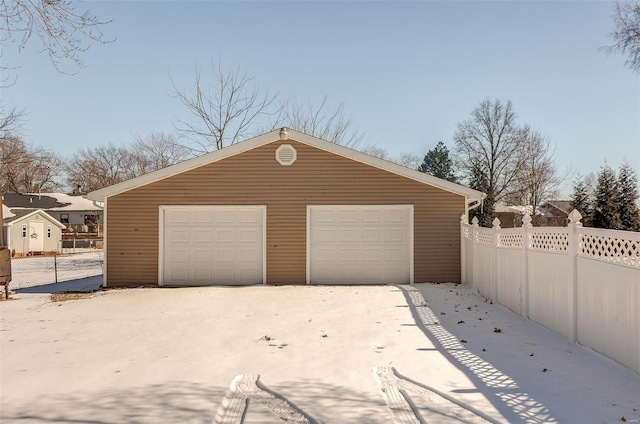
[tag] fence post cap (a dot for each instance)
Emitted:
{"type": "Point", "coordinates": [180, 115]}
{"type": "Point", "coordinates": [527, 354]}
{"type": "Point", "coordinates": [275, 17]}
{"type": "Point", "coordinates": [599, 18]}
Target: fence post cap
{"type": "Point", "coordinates": [575, 217]}
{"type": "Point", "coordinates": [475, 221]}
{"type": "Point", "coordinates": [464, 218]}
{"type": "Point", "coordinates": [496, 222]}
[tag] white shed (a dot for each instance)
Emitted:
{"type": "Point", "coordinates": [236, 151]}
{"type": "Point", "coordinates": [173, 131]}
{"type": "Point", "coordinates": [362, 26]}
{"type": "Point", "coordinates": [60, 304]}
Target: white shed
{"type": "Point", "coordinates": [32, 231]}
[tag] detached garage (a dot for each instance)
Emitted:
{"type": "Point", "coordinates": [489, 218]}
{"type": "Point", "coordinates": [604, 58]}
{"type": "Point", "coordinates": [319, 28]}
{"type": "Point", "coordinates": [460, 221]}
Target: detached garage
{"type": "Point", "coordinates": [283, 208]}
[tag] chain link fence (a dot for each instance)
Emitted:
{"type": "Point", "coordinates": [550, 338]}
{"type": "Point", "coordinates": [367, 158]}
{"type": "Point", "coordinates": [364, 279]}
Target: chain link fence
{"type": "Point", "coordinates": [33, 271]}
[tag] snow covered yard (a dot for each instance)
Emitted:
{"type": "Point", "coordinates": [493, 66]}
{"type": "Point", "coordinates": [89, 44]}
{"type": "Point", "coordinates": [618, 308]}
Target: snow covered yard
{"type": "Point", "coordinates": [40, 270]}
{"type": "Point", "coordinates": [169, 355]}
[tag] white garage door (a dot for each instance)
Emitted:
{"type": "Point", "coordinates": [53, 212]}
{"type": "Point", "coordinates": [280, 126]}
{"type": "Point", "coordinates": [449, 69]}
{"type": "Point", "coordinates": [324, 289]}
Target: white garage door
{"type": "Point", "coordinates": [360, 244]}
{"type": "Point", "coordinates": [209, 245]}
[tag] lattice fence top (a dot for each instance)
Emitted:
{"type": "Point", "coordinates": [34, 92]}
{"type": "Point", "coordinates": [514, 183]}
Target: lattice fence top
{"type": "Point", "coordinates": [485, 236]}
{"type": "Point", "coordinates": [466, 231]}
{"type": "Point", "coordinates": [610, 249]}
{"type": "Point", "coordinates": [549, 242]}
{"type": "Point", "coordinates": [513, 240]}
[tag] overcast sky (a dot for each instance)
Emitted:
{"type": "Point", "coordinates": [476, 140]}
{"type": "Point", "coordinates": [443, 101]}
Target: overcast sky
{"type": "Point", "coordinates": [407, 72]}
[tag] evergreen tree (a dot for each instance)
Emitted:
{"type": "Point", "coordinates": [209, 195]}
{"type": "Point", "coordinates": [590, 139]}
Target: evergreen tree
{"type": "Point", "coordinates": [606, 201]}
{"type": "Point", "coordinates": [628, 198]}
{"type": "Point", "coordinates": [438, 163]}
{"type": "Point", "coordinates": [581, 200]}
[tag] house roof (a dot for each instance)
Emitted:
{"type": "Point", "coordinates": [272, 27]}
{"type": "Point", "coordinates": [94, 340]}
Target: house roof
{"type": "Point", "coordinates": [558, 207]}
{"type": "Point", "coordinates": [22, 214]}
{"type": "Point", "coordinates": [58, 202]}
{"type": "Point", "coordinates": [6, 212]}
{"type": "Point", "coordinates": [276, 135]}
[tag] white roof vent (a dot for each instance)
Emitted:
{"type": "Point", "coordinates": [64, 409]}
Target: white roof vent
{"type": "Point", "coordinates": [286, 154]}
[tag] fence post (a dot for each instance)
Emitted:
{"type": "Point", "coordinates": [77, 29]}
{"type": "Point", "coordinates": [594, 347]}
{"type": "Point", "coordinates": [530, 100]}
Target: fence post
{"type": "Point", "coordinates": [496, 242]}
{"type": "Point", "coordinates": [524, 288]}
{"type": "Point", "coordinates": [463, 253]}
{"type": "Point", "coordinates": [474, 259]}
{"type": "Point", "coordinates": [55, 267]}
{"type": "Point", "coordinates": [572, 251]}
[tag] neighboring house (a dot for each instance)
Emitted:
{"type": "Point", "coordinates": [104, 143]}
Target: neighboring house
{"type": "Point", "coordinates": [510, 216]}
{"type": "Point", "coordinates": [32, 231]}
{"type": "Point", "coordinates": [283, 208]}
{"type": "Point", "coordinates": [77, 213]}
{"type": "Point", "coordinates": [555, 213]}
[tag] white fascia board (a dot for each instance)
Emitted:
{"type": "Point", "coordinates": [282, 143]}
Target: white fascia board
{"type": "Point", "coordinates": [469, 194]}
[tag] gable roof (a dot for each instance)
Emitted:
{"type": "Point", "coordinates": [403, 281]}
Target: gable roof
{"type": "Point", "coordinates": [49, 201]}
{"type": "Point", "coordinates": [558, 207]}
{"type": "Point", "coordinates": [22, 214]}
{"type": "Point", "coordinates": [278, 135]}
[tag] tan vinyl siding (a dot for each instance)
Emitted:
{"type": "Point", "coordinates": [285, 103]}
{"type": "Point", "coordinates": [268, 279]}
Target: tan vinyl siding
{"type": "Point", "coordinates": [256, 178]}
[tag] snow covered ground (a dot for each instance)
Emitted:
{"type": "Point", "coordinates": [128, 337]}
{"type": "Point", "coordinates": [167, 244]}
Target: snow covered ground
{"type": "Point", "coordinates": [168, 355]}
{"type": "Point", "coordinates": [41, 270]}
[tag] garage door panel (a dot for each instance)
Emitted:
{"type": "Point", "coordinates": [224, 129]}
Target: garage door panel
{"type": "Point", "coordinates": [202, 255]}
{"type": "Point", "coordinates": [360, 244]}
{"type": "Point", "coordinates": [202, 236]}
{"type": "Point", "coordinates": [349, 235]}
{"type": "Point", "coordinates": [179, 236]}
{"type": "Point", "coordinates": [205, 245]}
{"type": "Point", "coordinates": [179, 255]}
{"type": "Point", "coordinates": [180, 273]}
{"type": "Point", "coordinates": [248, 235]}
{"type": "Point", "coordinates": [372, 254]}
{"type": "Point", "coordinates": [202, 217]}
{"type": "Point", "coordinates": [395, 216]}
{"type": "Point", "coordinates": [371, 216]}
{"type": "Point", "coordinates": [394, 255]}
{"type": "Point", "coordinates": [249, 255]}
{"type": "Point", "coordinates": [349, 216]}
{"type": "Point", "coordinates": [371, 234]}
{"type": "Point", "coordinates": [349, 255]}
{"type": "Point", "coordinates": [202, 274]}
{"type": "Point", "coordinates": [324, 254]}
{"type": "Point", "coordinates": [176, 217]}
{"type": "Point", "coordinates": [249, 217]}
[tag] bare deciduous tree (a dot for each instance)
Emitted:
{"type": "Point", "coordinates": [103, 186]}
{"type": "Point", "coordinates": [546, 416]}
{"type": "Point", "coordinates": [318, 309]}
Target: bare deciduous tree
{"type": "Point", "coordinates": [223, 111]}
{"type": "Point", "coordinates": [492, 139]}
{"type": "Point", "coordinates": [11, 121]}
{"type": "Point", "coordinates": [98, 167]}
{"type": "Point", "coordinates": [538, 179]}
{"type": "Point", "coordinates": [64, 32]}
{"type": "Point", "coordinates": [156, 151]}
{"type": "Point", "coordinates": [489, 148]}
{"type": "Point", "coordinates": [409, 160]}
{"type": "Point", "coordinates": [626, 35]}
{"type": "Point", "coordinates": [375, 151]}
{"type": "Point", "coordinates": [25, 168]}
{"type": "Point", "coordinates": [318, 120]}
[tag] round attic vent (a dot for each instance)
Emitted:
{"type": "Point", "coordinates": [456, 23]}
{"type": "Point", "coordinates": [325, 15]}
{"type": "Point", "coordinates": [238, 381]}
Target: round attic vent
{"type": "Point", "coordinates": [286, 154]}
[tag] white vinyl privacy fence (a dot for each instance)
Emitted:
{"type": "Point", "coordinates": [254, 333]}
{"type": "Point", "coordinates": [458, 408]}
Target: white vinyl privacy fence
{"type": "Point", "coordinates": [582, 283]}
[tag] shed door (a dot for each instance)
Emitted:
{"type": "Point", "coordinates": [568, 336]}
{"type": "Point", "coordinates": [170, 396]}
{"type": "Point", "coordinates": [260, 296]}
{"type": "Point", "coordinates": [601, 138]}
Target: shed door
{"type": "Point", "coordinates": [212, 245]}
{"type": "Point", "coordinates": [36, 236]}
{"type": "Point", "coordinates": [360, 244]}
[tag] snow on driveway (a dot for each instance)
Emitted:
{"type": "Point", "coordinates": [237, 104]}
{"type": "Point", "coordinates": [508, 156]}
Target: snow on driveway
{"type": "Point", "coordinates": [168, 355]}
